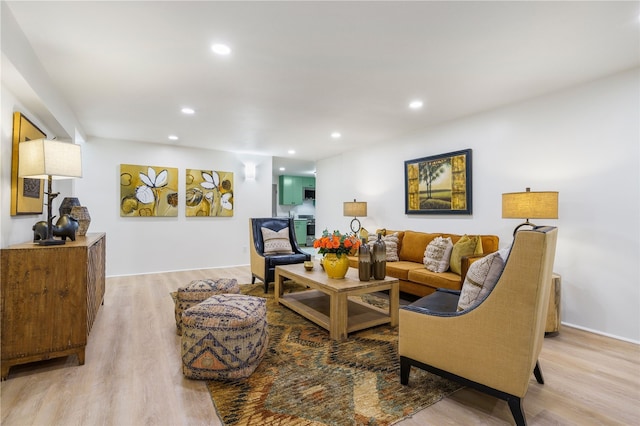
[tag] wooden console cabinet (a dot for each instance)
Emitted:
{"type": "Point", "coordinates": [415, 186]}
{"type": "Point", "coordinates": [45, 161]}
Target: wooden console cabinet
{"type": "Point", "coordinates": [50, 299]}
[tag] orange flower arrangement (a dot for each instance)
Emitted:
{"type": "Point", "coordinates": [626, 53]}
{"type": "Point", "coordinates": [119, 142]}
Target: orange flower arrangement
{"type": "Point", "coordinates": [336, 243]}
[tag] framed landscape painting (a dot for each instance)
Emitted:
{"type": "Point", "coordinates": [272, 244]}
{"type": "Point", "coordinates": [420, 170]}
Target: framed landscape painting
{"type": "Point", "coordinates": [440, 184]}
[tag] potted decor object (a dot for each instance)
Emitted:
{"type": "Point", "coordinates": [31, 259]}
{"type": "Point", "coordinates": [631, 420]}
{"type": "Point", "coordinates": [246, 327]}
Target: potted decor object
{"type": "Point", "coordinates": [335, 248]}
{"type": "Point", "coordinates": [81, 214]}
{"type": "Point", "coordinates": [67, 204]}
{"type": "Point", "coordinates": [379, 259]}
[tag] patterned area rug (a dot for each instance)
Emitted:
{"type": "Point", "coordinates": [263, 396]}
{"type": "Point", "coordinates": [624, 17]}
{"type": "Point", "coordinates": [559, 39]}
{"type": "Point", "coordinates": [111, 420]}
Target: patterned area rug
{"type": "Point", "coordinates": [307, 379]}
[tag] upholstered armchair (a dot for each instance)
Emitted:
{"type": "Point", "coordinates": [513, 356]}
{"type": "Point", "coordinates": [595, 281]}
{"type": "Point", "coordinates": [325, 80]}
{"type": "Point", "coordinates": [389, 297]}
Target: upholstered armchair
{"type": "Point", "coordinates": [494, 345]}
{"type": "Point", "coordinates": [279, 247]}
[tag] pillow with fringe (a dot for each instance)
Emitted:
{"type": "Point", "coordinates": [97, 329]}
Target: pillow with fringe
{"type": "Point", "coordinates": [437, 254]}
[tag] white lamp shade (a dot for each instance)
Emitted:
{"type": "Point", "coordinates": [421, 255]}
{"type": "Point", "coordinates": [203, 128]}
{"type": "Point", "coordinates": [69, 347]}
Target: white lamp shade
{"type": "Point", "coordinates": [41, 158]}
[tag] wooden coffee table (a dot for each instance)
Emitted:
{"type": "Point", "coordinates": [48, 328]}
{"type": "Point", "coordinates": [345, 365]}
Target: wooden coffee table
{"type": "Point", "coordinates": [328, 302]}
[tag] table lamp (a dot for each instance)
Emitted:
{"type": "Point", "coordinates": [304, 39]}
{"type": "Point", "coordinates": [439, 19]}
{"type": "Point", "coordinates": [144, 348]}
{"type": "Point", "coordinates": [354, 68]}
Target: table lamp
{"type": "Point", "coordinates": [48, 159]}
{"type": "Point", "coordinates": [529, 205]}
{"type": "Point", "coordinates": [355, 208]}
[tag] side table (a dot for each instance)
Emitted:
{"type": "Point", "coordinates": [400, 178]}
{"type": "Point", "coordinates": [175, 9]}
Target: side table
{"type": "Point", "coordinates": [553, 315]}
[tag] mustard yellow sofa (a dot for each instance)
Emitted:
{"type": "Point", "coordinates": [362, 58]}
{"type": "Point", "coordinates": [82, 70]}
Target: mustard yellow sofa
{"type": "Point", "coordinates": [414, 277]}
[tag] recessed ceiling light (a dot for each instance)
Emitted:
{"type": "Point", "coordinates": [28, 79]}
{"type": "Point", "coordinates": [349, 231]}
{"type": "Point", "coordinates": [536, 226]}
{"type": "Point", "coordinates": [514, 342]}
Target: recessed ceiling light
{"type": "Point", "coordinates": [221, 49]}
{"type": "Point", "coordinates": [188, 110]}
{"type": "Point", "coordinates": [282, 169]}
{"type": "Point", "coordinates": [173, 137]}
{"type": "Point", "coordinates": [336, 135]}
{"type": "Point", "coordinates": [417, 104]}
{"type": "Point", "coordinates": [291, 151]}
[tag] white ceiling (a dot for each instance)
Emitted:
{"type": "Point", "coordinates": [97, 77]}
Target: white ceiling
{"type": "Point", "coordinates": [301, 70]}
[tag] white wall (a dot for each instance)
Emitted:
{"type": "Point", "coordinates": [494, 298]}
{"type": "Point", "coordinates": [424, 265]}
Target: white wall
{"type": "Point", "coordinates": [583, 142]}
{"type": "Point", "coordinates": [138, 245]}
{"type": "Point", "coordinates": [144, 245]}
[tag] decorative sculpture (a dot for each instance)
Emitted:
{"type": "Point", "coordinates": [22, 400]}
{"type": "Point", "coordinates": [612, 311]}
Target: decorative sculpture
{"type": "Point", "coordinates": [65, 227]}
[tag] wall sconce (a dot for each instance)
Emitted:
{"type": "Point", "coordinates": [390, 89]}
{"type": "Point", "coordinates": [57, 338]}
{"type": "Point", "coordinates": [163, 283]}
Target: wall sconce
{"type": "Point", "coordinates": [249, 171]}
{"type": "Point", "coordinates": [46, 159]}
{"type": "Point", "coordinates": [355, 208]}
{"type": "Point", "coordinates": [529, 205]}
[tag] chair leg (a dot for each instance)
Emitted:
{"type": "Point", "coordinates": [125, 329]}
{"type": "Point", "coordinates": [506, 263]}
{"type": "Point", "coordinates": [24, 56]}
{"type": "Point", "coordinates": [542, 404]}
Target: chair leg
{"type": "Point", "coordinates": [253, 279]}
{"type": "Point", "coordinates": [405, 369]}
{"type": "Point", "coordinates": [266, 286]}
{"type": "Point", "coordinates": [515, 404]}
{"type": "Point", "coordinates": [538, 373]}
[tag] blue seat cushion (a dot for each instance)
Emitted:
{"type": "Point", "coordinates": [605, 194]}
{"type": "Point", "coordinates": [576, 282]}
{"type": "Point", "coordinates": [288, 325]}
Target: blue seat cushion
{"type": "Point", "coordinates": [286, 259]}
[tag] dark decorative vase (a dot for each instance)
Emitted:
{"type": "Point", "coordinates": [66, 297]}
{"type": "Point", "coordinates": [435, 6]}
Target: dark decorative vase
{"type": "Point", "coordinates": [66, 205]}
{"type": "Point", "coordinates": [379, 259]}
{"type": "Point", "coordinates": [364, 261]}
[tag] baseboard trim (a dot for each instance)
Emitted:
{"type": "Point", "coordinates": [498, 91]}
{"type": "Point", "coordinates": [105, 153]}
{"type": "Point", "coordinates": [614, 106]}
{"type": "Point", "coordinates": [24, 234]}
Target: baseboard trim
{"type": "Point", "coordinates": [590, 330]}
{"type": "Point", "coordinates": [177, 270]}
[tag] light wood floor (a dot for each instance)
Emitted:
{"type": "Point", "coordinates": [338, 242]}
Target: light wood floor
{"type": "Point", "coordinates": [132, 374]}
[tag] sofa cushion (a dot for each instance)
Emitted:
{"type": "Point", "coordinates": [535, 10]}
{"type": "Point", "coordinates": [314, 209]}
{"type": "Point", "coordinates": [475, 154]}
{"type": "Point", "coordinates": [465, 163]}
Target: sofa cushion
{"type": "Point", "coordinates": [414, 245]}
{"type": "Point", "coordinates": [276, 242]}
{"type": "Point", "coordinates": [437, 254]}
{"type": "Point", "coordinates": [434, 280]}
{"type": "Point", "coordinates": [390, 243]}
{"type": "Point", "coordinates": [481, 278]}
{"type": "Point", "coordinates": [466, 246]}
{"type": "Point", "coordinates": [401, 269]}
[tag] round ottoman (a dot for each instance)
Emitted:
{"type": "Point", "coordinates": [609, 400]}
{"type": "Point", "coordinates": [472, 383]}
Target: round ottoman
{"type": "Point", "coordinates": [198, 291]}
{"type": "Point", "coordinates": [224, 337]}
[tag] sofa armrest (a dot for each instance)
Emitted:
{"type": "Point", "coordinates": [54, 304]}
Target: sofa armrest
{"type": "Point", "coordinates": [466, 262]}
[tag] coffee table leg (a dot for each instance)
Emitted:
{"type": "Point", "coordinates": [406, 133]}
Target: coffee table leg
{"type": "Point", "coordinates": [338, 316]}
{"type": "Point", "coordinates": [278, 290]}
{"type": "Point", "coordinates": [394, 302]}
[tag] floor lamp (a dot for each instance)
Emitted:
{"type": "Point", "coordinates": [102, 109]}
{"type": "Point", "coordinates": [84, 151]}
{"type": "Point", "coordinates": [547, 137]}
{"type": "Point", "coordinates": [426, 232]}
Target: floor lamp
{"type": "Point", "coordinates": [355, 208]}
{"type": "Point", "coordinates": [529, 205]}
{"type": "Point", "coordinates": [46, 159]}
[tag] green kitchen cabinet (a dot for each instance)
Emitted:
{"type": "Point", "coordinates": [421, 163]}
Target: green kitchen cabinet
{"type": "Point", "coordinates": [300, 227]}
{"type": "Point", "coordinates": [291, 189]}
{"type": "Point", "coordinates": [290, 193]}
{"type": "Point", "coordinates": [308, 182]}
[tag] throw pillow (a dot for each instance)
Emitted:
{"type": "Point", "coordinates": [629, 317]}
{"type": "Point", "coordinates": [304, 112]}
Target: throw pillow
{"type": "Point", "coordinates": [276, 242]}
{"type": "Point", "coordinates": [481, 278]}
{"type": "Point", "coordinates": [466, 246]}
{"type": "Point", "coordinates": [437, 254]}
{"type": "Point", "coordinates": [391, 244]}
{"type": "Point", "coordinates": [479, 249]}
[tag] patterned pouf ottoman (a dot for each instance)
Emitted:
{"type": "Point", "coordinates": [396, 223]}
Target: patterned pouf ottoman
{"type": "Point", "coordinates": [224, 337]}
{"type": "Point", "coordinates": [198, 291]}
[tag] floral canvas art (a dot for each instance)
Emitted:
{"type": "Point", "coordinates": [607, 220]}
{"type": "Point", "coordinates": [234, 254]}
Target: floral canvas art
{"type": "Point", "coordinates": [148, 190]}
{"type": "Point", "coordinates": [209, 193]}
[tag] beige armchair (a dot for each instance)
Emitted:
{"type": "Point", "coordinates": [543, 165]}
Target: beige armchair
{"type": "Point", "coordinates": [494, 346]}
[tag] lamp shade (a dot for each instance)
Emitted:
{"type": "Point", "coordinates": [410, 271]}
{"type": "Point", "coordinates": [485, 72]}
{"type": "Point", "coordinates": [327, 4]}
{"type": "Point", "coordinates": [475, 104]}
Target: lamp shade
{"type": "Point", "coordinates": [355, 208]}
{"type": "Point", "coordinates": [530, 205]}
{"type": "Point", "coordinates": [41, 158]}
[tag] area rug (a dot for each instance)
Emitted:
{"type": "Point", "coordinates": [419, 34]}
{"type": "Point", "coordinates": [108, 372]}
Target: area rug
{"type": "Point", "coordinates": [306, 378]}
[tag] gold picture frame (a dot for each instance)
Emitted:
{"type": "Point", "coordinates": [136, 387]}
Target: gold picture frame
{"type": "Point", "coordinates": [27, 195]}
